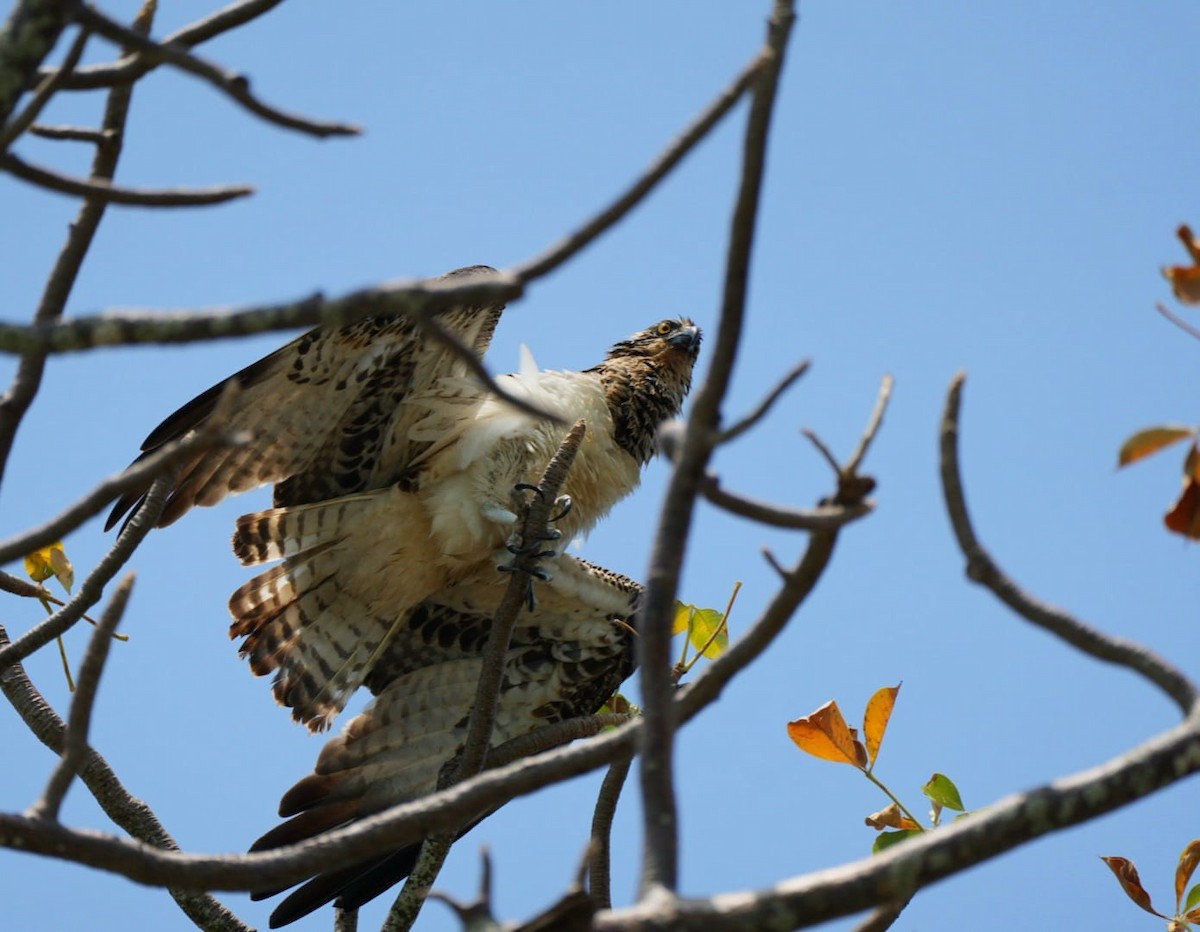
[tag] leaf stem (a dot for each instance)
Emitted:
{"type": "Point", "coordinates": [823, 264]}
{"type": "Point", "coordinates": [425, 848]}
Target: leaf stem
{"type": "Point", "coordinates": [879, 783]}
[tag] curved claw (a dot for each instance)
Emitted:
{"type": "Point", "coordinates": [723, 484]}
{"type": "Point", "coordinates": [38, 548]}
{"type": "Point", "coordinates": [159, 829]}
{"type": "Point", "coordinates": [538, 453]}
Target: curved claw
{"type": "Point", "coordinates": [529, 487]}
{"type": "Point", "coordinates": [564, 505]}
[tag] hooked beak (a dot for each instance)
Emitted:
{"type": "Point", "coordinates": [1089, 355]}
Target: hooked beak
{"type": "Point", "coordinates": [685, 338]}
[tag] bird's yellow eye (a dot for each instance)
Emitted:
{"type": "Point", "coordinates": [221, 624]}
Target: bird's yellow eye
{"type": "Point", "coordinates": [665, 327]}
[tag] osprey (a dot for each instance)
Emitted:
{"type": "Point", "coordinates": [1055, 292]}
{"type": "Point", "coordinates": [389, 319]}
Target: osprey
{"type": "Point", "coordinates": [394, 470]}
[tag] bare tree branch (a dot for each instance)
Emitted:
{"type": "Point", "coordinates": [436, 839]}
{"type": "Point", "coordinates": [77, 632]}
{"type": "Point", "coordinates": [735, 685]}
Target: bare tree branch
{"type": "Point", "coordinates": [600, 861]}
{"type": "Point", "coordinates": [659, 867]}
{"type": "Point", "coordinates": [75, 740]}
{"type": "Point", "coordinates": [131, 814]}
{"type": "Point", "coordinates": [417, 298]}
{"type": "Point", "coordinates": [114, 194]}
{"type": "Point", "coordinates": [162, 460]}
{"type": "Point", "coordinates": [235, 86]}
{"type": "Point", "coordinates": [560, 252]}
{"type": "Point", "coordinates": [28, 379]}
{"type": "Point", "coordinates": [70, 133]}
{"type": "Point", "coordinates": [812, 519]}
{"type": "Point", "coordinates": [93, 586]}
{"type": "Point", "coordinates": [981, 568]}
{"type": "Point", "coordinates": [736, 430]}
{"type": "Point", "coordinates": [43, 92]}
{"type": "Point", "coordinates": [133, 65]}
{"type": "Point", "coordinates": [900, 871]}
{"type": "Point", "coordinates": [482, 718]}
{"type": "Point", "coordinates": [555, 735]}
{"type": "Point", "coordinates": [22, 587]}
{"type": "Point", "coordinates": [882, 918]}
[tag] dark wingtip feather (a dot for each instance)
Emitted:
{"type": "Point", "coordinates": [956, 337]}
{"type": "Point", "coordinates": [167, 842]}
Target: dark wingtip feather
{"type": "Point", "coordinates": [351, 886]}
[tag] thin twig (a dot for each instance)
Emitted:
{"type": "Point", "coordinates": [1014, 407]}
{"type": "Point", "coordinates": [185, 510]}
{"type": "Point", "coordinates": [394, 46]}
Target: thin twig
{"type": "Point", "coordinates": [93, 586]}
{"type": "Point", "coordinates": [660, 861]}
{"type": "Point", "coordinates": [131, 814]}
{"type": "Point", "coordinates": [75, 740]}
{"type": "Point", "coordinates": [764, 406]}
{"type": "Point", "coordinates": [1178, 321]}
{"type": "Point", "coordinates": [70, 133]}
{"type": "Point", "coordinates": [600, 861]}
{"type": "Point", "coordinates": [22, 587]}
{"type": "Point", "coordinates": [561, 251]}
{"type": "Point", "coordinates": [236, 86]}
{"type": "Point", "coordinates": [811, 519]}
{"type": "Point", "coordinates": [553, 736]}
{"type": "Point", "coordinates": [81, 232]}
{"type": "Point", "coordinates": [981, 568]}
{"type": "Point", "coordinates": [864, 443]}
{"type": "Point", "coordinates": [137, 476]}
{"type": "Point", "coordinates": [132, 66]}
{"type": "Point", "coordinates": [482, 717]}
{"type": "Point", "coordinates": [43, 92]}
{"type": "Point", "coordinates": [114, 194]}
{"type": "Point", "coordinates": [1161, 761]}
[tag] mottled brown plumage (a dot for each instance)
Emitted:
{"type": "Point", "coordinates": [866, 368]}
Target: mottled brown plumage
{"type": "Point", "coordinates": [394, 471]}
{"type": "Point", "coordinates": [353, 566]}
{"type": "Point", "coordinates": [565, 660]}
{"type": "Point", "coordinates": [325, 413]}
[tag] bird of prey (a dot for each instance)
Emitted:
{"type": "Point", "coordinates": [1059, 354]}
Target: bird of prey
{"type": "Point", "coordinates": [393, 470]}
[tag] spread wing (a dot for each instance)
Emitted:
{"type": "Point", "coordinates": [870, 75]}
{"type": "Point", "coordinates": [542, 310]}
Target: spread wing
{"type": "Point", "coordinates": [566, 658]}
{"type": "Point", "coordinates": [325, 413]}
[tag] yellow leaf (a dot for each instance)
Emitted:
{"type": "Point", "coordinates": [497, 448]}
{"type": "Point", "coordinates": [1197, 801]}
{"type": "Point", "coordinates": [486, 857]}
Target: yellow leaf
{"type": "Point", "coordinates": [683, 614]}
{"type": "Point", "coordinates": [709, 635]}
{"type": "Point", "coordinates": [1151, 440]}
{"type": "Point", "coordinates": [1188, 859]}
{"type": "Point", "coordinates": [875, 721]}
{"type": "Point", "coordinates": [705, 627]}
{"type": "Point", "coordinates": [826, 735]}
{"type": "Point", "coordinates": [50, 562]}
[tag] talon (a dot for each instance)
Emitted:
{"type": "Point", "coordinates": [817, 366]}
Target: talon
{"type": "Point", "coordinates": [529, 487]}
{"type": "Point", "coordinates": [564, 505]}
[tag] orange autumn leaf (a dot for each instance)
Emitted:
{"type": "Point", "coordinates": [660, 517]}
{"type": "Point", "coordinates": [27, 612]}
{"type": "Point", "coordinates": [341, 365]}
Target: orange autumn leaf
{"type": "Point", "coordinates": [826, 735]}
{"type": "Point", "coordinates": [1184, 516]}
{"type": "Point", "coordinates": [1126, 873]}
{"type": "Point", "coordinates": [1185, 279]}
{"type": "Point", "coordinates": [1188, 859]}
{"type": "Point", "coordinates": [875, 721]}
{"type": "Point", "coordinates": [891, 817]}
{"type": "Point", "coordinates": [1151, 440]}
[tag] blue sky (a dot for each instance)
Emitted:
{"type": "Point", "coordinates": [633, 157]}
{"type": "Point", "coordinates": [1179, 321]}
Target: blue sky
{"type": "Point", "coordinates": [950, 186]}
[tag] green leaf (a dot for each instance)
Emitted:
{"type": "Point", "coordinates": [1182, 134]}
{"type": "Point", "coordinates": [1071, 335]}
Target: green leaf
{"type": "Point", "coordinates": [943, 792]}
{"type": "Point", "coordinates": [886, 839]}
{"type": "Point", "coordinates": [1193, 899]}
{"type": "Point", "coordinates": [705, 628]}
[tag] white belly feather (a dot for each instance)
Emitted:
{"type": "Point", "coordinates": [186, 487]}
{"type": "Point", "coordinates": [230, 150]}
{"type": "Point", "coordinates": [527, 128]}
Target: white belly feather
{"type": "Point", "coordinates": [486, 446]}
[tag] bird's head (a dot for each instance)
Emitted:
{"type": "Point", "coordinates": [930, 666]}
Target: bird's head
{"type": "Point", "coordinates": [646, 378]}
{"type": "Point", "coordinates": [674, 343]}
